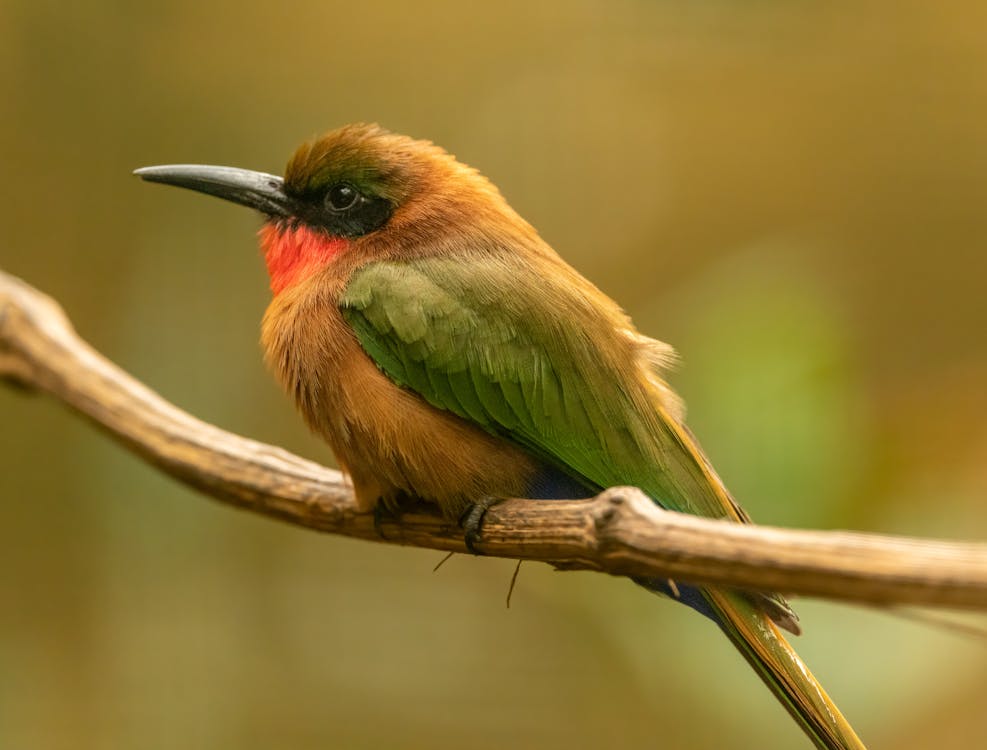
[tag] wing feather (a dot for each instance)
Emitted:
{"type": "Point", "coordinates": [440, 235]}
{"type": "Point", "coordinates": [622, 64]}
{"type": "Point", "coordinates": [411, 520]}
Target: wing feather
{"type": "Point", "coordinates": [581, 396]}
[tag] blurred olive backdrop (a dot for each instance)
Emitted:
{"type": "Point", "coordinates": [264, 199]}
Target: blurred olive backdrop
{"type": "Point", "coordinates": [792, 193]}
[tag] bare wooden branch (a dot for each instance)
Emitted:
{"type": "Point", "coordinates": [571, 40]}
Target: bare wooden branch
{"type": "Point", "coordinates": [620, 532]}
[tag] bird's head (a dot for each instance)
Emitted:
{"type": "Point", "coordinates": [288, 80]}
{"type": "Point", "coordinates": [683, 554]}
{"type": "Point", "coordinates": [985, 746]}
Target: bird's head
{"type": "Point", "coordinates": [358, 190]}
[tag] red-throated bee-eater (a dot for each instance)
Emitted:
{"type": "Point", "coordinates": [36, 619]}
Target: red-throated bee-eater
{"type": "Point", "coordinates": [446, 352]}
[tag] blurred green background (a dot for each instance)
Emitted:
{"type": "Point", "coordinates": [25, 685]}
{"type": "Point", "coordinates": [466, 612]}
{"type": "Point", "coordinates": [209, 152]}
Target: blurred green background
{"type": "Point", "coordinates": [791, 193]}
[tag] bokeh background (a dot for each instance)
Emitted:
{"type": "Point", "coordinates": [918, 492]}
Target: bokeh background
{"type": "Point", "coordinates": [791, 193]}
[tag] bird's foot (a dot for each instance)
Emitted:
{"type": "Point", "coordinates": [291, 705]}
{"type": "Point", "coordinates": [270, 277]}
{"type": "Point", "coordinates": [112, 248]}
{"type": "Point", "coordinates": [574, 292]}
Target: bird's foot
{"type": "Point", "coordinates": [471, 521]}
{"type": "Point", "coordinates": [381, 512]}
{"type": "Point", "coordinates": [390, 507]}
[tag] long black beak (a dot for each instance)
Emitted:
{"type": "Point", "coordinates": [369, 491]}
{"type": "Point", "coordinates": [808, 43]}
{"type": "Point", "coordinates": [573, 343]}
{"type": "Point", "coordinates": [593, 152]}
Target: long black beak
{"type": "Point", "coordinates": [264, 192]}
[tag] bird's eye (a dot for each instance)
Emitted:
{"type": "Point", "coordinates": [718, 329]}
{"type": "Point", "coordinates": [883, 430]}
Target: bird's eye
{"type": "Point", "coordinates": [341, 197]}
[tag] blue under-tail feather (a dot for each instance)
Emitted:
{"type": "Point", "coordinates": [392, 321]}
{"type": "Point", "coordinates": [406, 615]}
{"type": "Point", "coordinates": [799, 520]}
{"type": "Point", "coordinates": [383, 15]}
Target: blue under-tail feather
{"type": "Point", "coordinates": [552, 484]}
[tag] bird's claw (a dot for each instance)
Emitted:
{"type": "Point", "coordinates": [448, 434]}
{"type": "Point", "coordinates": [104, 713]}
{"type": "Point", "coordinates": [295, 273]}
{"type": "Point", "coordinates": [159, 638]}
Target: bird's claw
{"type": "Point", "coordinates": [390, 507]}
{"type": "Point", "coordinates": [471, 521]}
{"type": "Point", "coordinates": [380, 512]}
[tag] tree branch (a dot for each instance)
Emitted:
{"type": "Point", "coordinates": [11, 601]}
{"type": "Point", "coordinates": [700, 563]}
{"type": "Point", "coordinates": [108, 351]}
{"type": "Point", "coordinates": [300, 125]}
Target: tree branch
{"type": "Point", "coordinates": [620, 532]}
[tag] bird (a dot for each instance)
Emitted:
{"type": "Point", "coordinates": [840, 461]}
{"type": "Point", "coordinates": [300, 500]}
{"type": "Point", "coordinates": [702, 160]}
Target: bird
{"type": "Point", "coordinates": [447, 353]}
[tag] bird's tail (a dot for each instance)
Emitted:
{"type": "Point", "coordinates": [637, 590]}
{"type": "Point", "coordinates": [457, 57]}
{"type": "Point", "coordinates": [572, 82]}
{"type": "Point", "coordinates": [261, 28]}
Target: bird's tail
{"type": "Point", "coordinates": [767, 651]}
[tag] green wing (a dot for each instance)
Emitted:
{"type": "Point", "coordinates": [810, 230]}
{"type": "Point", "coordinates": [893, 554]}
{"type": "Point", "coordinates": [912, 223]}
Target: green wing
{"type": "Point", "coordinates": [522, 358]}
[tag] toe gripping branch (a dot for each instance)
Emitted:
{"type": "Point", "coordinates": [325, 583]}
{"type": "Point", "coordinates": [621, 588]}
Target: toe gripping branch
{"type": "Point", "coordinates": [471, 521]}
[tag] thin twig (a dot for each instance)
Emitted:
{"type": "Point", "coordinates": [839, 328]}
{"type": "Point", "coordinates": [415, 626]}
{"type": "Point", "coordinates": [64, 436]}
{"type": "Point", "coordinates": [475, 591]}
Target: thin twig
{"type": "Point", "coordinates": [510, 589]}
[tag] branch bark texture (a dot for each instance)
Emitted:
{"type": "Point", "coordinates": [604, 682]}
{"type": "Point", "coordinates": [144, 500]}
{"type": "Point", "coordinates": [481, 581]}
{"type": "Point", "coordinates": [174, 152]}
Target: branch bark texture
{"type": "Point", "coordinates": [620, 532]}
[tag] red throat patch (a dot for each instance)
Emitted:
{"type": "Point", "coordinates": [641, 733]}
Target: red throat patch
{"type": "Point", "coordinates": [295, 253]}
